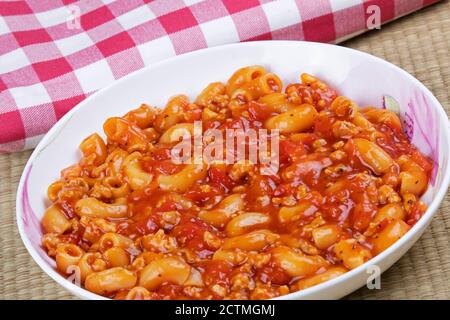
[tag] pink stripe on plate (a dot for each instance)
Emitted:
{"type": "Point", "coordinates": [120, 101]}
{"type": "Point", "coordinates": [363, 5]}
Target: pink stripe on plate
{"type": "Point", "coordinates": [31, 222]}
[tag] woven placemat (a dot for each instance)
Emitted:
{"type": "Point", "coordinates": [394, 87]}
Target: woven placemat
{"type": "Point", "coordinates": [418, 43]}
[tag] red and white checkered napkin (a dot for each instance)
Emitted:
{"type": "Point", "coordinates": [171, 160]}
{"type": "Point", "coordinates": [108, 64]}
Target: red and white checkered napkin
{"type": "Point", "coordinates": [53, 54]}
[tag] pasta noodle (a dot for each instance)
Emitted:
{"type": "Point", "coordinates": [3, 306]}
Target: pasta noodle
{"type": "Point", "coordinates": [139, 225]}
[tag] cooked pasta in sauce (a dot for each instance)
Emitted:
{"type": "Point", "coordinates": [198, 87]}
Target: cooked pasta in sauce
{"type": "Point", "coordinates": [136, 225]}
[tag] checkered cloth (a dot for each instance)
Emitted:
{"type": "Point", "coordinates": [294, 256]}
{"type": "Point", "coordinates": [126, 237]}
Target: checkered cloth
{"type": "Point", "coordinates": [53, 54]}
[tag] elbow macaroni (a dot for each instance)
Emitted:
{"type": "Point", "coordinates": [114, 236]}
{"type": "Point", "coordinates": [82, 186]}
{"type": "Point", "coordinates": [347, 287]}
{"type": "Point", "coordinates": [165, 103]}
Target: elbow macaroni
{"type": "Point", "coordinates": [110, 281]}
{"type": "Point", "coordinates": [137, 178]}
{"type": "Point", "coordinates": [296, 119]}
{"type": "Point", "coordinates": [140, 226]}
{"type": "Point", "coordinates": [170, 269]}
{"type": "Point", "coordinates": [181, 181]}
{"type": "Point", "coordinates": [92, 207]}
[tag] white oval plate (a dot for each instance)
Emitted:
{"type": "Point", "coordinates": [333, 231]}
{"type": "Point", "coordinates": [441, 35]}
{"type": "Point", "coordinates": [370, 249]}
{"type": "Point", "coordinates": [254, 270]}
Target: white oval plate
{"type": "Point", "coordinates": [364, 78]}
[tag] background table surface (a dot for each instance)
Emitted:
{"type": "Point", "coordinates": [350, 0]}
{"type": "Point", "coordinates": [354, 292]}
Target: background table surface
{"type": "Point", "coordinates": [418, 43]}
